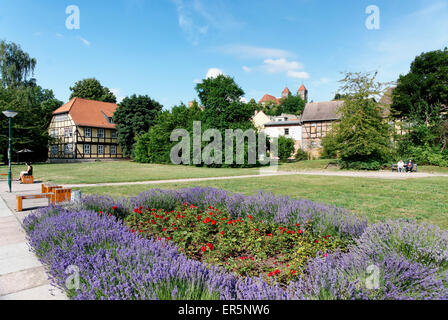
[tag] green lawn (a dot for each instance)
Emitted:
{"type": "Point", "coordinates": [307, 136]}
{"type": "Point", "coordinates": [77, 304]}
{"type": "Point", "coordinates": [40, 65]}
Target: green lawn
{"type": "Point", "coordinates": [378, 199]}
{"type": "Point", "coordinates": [120, 171]}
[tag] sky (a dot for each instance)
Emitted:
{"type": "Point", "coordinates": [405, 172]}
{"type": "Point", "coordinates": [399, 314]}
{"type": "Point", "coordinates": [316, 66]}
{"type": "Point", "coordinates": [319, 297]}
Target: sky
{"type": "Point", "coordinates": [163, 48]}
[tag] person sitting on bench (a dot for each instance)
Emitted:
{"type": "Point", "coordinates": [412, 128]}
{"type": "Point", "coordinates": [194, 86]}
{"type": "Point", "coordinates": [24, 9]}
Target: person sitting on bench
{"type": "Point", "coordinates": [410, 166]}
{"type": "Point", "coordinates": [28, 172]}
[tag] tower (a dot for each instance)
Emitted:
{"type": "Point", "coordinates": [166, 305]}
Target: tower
{"type": "Point", "coordinates": [286, 93]}
{"type": "Point", "coordinates": [303, 93]}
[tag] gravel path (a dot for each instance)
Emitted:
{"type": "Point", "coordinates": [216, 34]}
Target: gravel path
{"type": "Point", "coordinates": [354, 174]}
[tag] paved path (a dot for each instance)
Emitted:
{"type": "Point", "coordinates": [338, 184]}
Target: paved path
{"type": "Point", "coordinates": [353, 174]}
{"type": "Point", "coordinates": [22, 276]}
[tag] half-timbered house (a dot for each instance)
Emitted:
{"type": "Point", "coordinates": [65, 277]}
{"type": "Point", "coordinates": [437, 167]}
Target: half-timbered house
{"type": "Point", "coordinates": [83, 129]}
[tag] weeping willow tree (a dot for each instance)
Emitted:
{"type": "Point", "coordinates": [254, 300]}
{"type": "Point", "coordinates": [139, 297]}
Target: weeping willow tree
{"type": "Point", "coordinates": [15, 65]}
{"type": "Point", "coordinates": [34, 104]}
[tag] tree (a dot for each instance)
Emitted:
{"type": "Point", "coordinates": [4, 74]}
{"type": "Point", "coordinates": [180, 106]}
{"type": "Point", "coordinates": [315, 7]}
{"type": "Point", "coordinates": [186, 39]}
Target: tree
{"type": "Point", "coordinates": [93, 90]}
{"type": "Point", "coordinates": [293, 105]}
{"type": "Point", "coordinates": [362, 136]}
{"type": "Point", "coordinates": [426, 83]}
{"type": "Point", "coordinates": [33, 104]}
{"type": "Point", "coordinates": [223, 108]}
{"type": "Point", "coordinates": [134, 116]}
{"type": "Point", "coordinates": [15, 65]}
{"type": "Point", "coordinates": [285, 148]}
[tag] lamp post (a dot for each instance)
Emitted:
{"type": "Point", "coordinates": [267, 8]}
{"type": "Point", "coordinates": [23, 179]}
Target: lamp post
{"type": "Point", "coordinates": [9, 115]}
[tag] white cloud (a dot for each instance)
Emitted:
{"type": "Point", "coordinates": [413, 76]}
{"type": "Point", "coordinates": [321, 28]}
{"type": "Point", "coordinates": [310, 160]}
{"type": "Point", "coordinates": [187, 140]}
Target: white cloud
{"type": "Point", "coordinates": [293, 69]}
{"type": "Point", "coordinates": [246, 51]}
{"type": "Point", "coordinates": [247, 69]}
{"type": "Point", "coordinates": [86, 42]}
{"type": "Point", "coordinates": [213, 73]}
{"type": "Point", "coordinates": [281, 65]}
{"type": "Point", "coordinates": [197, 81]}
{"type": "Point", "coordinates": [117, 93]}
{"type": "Point", "coordinates": [298, 74]}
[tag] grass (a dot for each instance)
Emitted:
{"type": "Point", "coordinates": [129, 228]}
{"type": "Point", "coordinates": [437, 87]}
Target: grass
{"type": "Point", "coordinates": [120, 171]}
{"type": "Point", "coordinates": [377, 199]}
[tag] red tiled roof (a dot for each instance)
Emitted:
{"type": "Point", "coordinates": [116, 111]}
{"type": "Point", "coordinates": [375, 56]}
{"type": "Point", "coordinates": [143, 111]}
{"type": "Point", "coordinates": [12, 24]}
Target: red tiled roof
{"type": "Point", "coordinates": [302, 88]}
{"type": "Point", "coordinates": [286, 90]}
{"type": "Point", "coordinates": [89, 113]}
{"type": "Point", "coordinates": [268, 97]}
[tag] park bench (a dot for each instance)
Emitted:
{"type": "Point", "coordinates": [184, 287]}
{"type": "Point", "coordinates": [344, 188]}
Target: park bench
{"type": "Point", "coordinates": [395, 167]}
{"type": "Point", "coordinates": [46, 188]}
{"type": "Point", "coordinates": [5, 175]}
{"type": "Point", "coordinates": [54, 194]}
{"type": "Point", "coordinates": [27, 179]}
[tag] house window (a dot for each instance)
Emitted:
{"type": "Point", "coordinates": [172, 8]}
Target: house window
{"type": "Point", "coordinates": [68, 149]}
{"type": "Point", "coordinates": [113, 134]}
{"type": "Point", "coordinates": [61, 117]}
{"type": "Point", "coordinates": [68, 133]}
{"type": "Point", "coordinates": [88, 132]}
{"type": "Point", "coordinates": [100, 133]}
{"type": "Point", "coordinates": [287, 132]}
{"type": "Point", "coordinates": [87, 149]}
{"type": "Point", "coordinates": [113, 149]}
{"type": "Point", "coordinates": [54, 150]}
{"type": "Point", "coordinates": [100, 149]}
{"type": "Point", "coordinates": [313, 128]}
{"type": "Point", "coordinates": [54, 133]}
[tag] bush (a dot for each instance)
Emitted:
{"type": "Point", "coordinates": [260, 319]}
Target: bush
{"type": "Point", "coordinates": [285, 148]}
{"type": "Point", "coordinates": [301, 155]}
{"type": "Point", "coordinates": [359, 165]}
{"type": "Point", "coordinates": [424, 155]}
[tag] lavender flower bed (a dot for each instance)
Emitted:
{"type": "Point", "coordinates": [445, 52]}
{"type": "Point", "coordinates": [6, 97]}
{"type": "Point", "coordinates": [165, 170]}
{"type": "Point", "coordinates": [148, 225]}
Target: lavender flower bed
{"type": "Point", "coordinates": [411, 259]}
{"type": "Point", "coordinates": [262, 206]}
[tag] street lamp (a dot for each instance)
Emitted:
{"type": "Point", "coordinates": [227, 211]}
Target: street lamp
{"type": "Point", "coordinates": [9, 115]}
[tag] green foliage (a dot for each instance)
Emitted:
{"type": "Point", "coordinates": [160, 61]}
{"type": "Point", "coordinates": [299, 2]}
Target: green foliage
{"type": "Point", "coordinates": [301, 155]}
{"type": "Point", "coordinates": [212, 236]}
{"type": "Point", "coordinates": [294, 104]}
{"type": "Point", "coordinates": [426, 83]}
{"type": "Point", "coordinates": [362, 136]}
{"type": "Point", "coordinates": [285, 148]}
{"type": "Point", "coordinates": [33, 104]}
{"type": "Point", "coordinates": [92, 89]}
{"type": "Point", "coordinates": [330, 146]}
{"type": "Point", "coordinates": [133, 117]}
{"type": "Point", "coordinates": [15, 65]}
{"type": "Point", "coordinates": [361, 165]}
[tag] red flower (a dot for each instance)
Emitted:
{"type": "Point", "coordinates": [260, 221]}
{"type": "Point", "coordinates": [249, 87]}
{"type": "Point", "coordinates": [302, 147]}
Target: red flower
{"type": "Point", "coordinates": [222, 233]}
{"type": "Point", "coordinates": [203, 249]}
{"type": "Point", "coordinates": [164, 229]}
{"type": "Point", "coordinates": [114, 208]}
{"type": "Point", "coordinates": [269, 235]}
{"type": "Point", "coordinates": [210, 246]}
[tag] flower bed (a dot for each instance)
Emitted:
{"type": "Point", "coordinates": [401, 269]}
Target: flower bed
{"type": "Point", "coordinates": [252, 257]}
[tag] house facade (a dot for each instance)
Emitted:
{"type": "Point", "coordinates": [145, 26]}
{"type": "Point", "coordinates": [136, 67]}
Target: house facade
{"type": "Point", "coordinates": [83, 129]}
{"type": "Point", "coordinates": [317, 120]}
{"type": "Point", "coordinates": [285, 125]}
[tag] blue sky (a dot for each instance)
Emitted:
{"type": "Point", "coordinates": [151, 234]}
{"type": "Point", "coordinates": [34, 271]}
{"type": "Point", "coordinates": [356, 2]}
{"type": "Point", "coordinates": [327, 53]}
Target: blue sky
{"type": "Point", "coordinates": [162, 47]}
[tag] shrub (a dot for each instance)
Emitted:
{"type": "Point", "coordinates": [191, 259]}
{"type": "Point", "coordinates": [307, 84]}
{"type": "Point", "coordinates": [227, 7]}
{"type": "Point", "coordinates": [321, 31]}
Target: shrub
{"type": "Point", "coordinates": [301, 155]}
{"type": "Point", "coordinates": [360, 165]}
{"type": "Point", "coordinates": [285, 148]}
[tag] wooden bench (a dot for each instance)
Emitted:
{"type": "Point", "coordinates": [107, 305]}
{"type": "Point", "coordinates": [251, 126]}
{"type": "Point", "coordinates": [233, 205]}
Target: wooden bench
{"type": "Point", "coordinates": [60, 195]}
{"type": "Point", "coordinates": [22, 197]}
{"type": "Point", "coordinates": [395, 167]}
{"type": "Point", "coordinates": [46, 188]}
{"type": "Point", "coordinates": [27, 179]}
{"type": "Point", "coordinates": [5, 174]}
{"type": "Point", "coordinates": [57, 195]}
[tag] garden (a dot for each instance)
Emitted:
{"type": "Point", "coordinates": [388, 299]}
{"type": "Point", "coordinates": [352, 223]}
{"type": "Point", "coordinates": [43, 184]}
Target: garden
{"type": "Point", "coordinates": [206, 243]}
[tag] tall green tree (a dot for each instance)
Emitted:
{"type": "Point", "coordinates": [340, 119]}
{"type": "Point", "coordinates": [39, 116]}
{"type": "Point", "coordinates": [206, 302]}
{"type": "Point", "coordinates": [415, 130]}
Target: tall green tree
{"type": "Point", "coordinates": [293, 104]}
{"type": "Point", "coordinates": [221, 99]}
{"type": "Point", "coordinates": [362, 135]}
{"type": "Point", "coordinates": [33, 104]}
{"type": "Point", "coordinates": [134, 116]}
{"type": "Point", "coordinates": [15, 65]}
{"type": "Point", "coordinates": [426, 84]}
{"type": "Point", "coordinates": [92, 89]}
